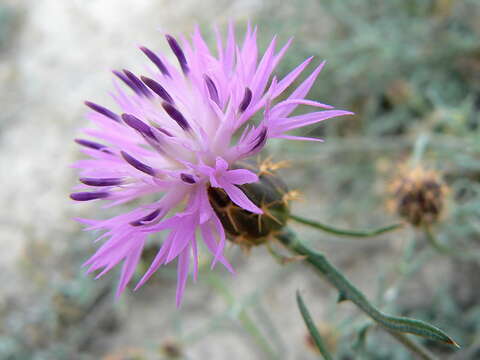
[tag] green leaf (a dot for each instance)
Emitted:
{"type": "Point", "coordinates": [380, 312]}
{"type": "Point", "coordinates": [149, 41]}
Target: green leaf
{"type": "Point", "coordinates": [317, 339]}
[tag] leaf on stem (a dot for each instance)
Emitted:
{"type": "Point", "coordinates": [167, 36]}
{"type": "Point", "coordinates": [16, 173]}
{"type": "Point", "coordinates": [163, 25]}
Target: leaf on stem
{"type": "Point", "coordinates": [317, 339]}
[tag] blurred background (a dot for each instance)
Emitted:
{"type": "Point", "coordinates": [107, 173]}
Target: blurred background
{"type": "Point", "coordinates": [410, 70]}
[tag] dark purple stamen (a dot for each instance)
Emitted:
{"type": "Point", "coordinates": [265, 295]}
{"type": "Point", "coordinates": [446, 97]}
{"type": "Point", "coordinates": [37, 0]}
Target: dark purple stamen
{"type": "Point", "coordinates": [137, 164]}
{"type": "Point", "coordinates": [157, 89]}
{"type": "Point", "coordinates": [166, 132]}
{"type": "Point", "coordinates": [177, 50]}
{"type": "Point", "coordinates": [102, 181]}
{"type": "Point", "coordinates": [102, 110]}
{"type": "Point", "coordinates": [212, 89]}
{"type": "Point", "coordinates": [127, 82]}
{"type": "Point", "coordinates": [90, 144]}
{"type": "Point", "coordinates": [259, 140]}
{"type": "Point", "coordinates": [189, 179]}
{"type": "Point", "coordinates": [146, 218]}
{"type": "Point", "coordinates": [176, 115]}
{"type": "Point", "coordinates": [156, 60]}
{"type": "Point", "coordinates": [247, 97]}
{"type": "Point", "coordinates": [86, 196]}
{"type": "Point", "coordinates": [138, 84]}
{"type": "Point", "coordinates": [138, 125]}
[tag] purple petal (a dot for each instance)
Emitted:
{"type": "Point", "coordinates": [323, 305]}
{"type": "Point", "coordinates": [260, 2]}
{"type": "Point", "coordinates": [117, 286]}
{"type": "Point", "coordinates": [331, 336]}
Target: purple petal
{"type": "Point", "coordinates": [157, 89]}
{"type": "Point", "coordinates": [127, 82]}
{"type": "Point", "coordinates": [189, 179]}
{"type": "Point", "coordinates": [138, 164]}
{"type": "Point", "coordinates": [86, 196]}
{"type": "Point", "coordinates": [90, 144]}
{"type": "Point", "coordinates": [240, 176]}
{"type": "Point", "coordinates": [310, 118]}
{"type": "Point", "coordinates": [128, 269]}
{"type": "Point", "coordinates": [212, 89]}
{"type": "Point", "coordinates": [156, 263]}
{"type": "Point", "coordinates": [182, 273]}
{"type": "Point", "coordinates": [146, 218]}
{"type": "Point", "coordinates": [176, 115]}
{"type": "Point", "coordinates": [102, 110]}
{"type": "Point", "coordinates": [183, 234]}
{"type": "Point", "coordinates": [298, 138]}
{"type": "Point", "coordinates": [247, 98]}
{"type": "Point", "coordinates": [290, 78]}
{"type": "Point", "coordinates": [221, 164]}
{"type": "Point", "coordinates": [239, 198]}
{"type": "Point", "coordinates": [177, 50]}
{"type": "Point", "coordinates": [156, 60]}
{"type": "Point", "coordinates": [143, 90]}
{"type": "Point", "coordinates": [101, 181]}
{"type": "Point", "coordinates": [302, 90]}
{"type": "Point", "coordinates": [138, 125]}
{"type": "Point", "coordinates": [195, 260]}
{"type": "Point", "coordinates": [213, 247]}
{"type": "Point", "coordinates": [259, 141]}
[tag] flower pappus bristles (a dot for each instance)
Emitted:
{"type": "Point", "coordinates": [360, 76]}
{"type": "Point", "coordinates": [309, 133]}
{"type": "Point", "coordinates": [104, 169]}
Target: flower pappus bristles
{"type": "Point", "coordinates": [180, 132]}
{"type": "Point", "coordinates": [418, 196]}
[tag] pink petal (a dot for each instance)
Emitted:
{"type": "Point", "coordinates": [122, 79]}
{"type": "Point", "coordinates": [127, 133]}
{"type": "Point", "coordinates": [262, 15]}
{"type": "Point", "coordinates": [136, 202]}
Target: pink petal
{"type": "Point", "coordinates": [240, 176]}
{"type": "Point", "coordinates": [239, 198]}
{"type": "Point", "coordinates": [182, 273]}
{"type": "Point", "coordinates": [129, 266]}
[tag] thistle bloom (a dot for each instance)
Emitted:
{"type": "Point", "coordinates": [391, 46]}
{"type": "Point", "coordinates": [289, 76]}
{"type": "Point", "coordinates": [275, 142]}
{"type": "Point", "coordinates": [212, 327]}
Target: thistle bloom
{"type": "Point", "coordinates": [178, 132]}
{"type": "Point", "coordinates": [418, 195]}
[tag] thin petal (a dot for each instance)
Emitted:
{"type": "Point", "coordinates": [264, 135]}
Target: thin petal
{"type": "Point", "coordinates": [239, 198]}
{"type": "Point", "coordinates": [182, 273]}
{"type": "Point", "coordinates": [129, 266]}
{"type": "Point", "coordinates": [240, 176]}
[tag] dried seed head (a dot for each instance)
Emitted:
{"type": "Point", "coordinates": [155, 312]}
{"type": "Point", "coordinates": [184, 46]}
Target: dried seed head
{"type": "Point", "coordinates": [243, 227]}
{"type": "Point", "coordinates": [418, 196]}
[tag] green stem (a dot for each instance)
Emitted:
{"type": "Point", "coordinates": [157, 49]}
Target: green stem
{"type": "Point", "coordinates": [435, 244]}
{"type": "Point", "coordinates": [341, 232]}
{"type": "Point", "coordinates": [349, 292]}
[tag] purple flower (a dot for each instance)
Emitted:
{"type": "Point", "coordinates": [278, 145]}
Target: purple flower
{"type": "Point", "coordinates": [175, 136]}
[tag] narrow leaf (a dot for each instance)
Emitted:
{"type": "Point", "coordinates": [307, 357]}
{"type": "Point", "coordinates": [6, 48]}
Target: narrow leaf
{"type": "Point", "coordinates": [317, 339]}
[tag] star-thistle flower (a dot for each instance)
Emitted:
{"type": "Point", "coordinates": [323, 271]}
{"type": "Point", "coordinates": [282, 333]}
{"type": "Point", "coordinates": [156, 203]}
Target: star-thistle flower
{"type": "Point", "coordinates": [178, 132]}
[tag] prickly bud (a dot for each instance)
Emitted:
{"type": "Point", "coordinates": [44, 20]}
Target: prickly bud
{"type": "Point", "coordinates": [270, 194]}
{"type": "Point", "coordinates": [418, 196]}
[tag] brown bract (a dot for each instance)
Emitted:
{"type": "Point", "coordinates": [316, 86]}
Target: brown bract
{"type": "Point", "coordinates": [270, 194]}
{"type": "Point", "coordinates": [418, 196]}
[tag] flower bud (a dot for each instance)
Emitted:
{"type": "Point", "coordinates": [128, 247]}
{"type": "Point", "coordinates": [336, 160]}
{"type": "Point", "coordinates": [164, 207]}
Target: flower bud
{"type": "Point", "coordinates": [418, 196]}
{"type": "Point", "coordinates": [246, 228]}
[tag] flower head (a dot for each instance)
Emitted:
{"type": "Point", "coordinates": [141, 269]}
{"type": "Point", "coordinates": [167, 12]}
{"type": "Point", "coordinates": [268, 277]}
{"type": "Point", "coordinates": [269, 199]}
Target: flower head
{"type": "Point", "coordinates": [178, 133]}
{"type": "Point", "coordinates": [418, 196]}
